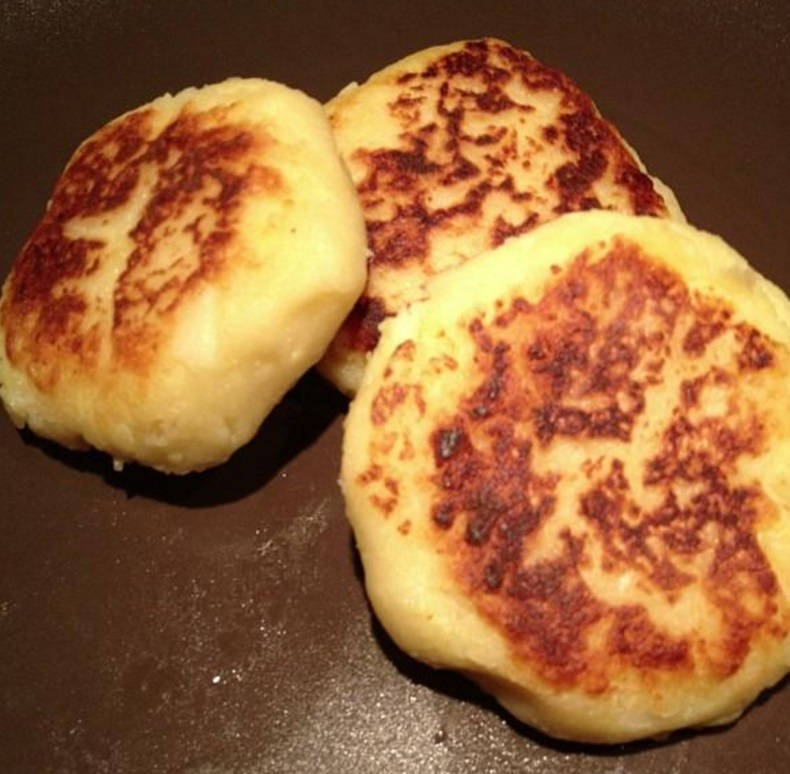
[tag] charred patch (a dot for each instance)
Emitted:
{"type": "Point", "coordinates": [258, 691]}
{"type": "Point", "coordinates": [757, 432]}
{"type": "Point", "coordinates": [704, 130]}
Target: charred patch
{"type": "Point", "coordinates": [756, 353]}
{"type": "Point", "coordinates": [447, 442]}
{"type": "Point", "coordinates": [361, 327]}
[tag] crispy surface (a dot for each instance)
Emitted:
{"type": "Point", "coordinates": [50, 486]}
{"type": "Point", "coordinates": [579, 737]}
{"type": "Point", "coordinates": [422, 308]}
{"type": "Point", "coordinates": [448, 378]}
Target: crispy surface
{"type": "Point", "coordinates": [456, 149]}
{"type": "Point", "coordinates": [569, 480]}
{"type": "Point", "coordinates": [152, 312]}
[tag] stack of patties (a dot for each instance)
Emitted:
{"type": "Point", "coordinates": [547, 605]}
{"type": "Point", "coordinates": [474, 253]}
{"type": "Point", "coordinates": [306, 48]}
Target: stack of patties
{"type": "Point", "coordinates": [565, 458]}
{"type": "Point", "coordinates": [196, 257]}
{"type": "Point", "coordinates": [454, 150]}
{"type": "Point", "coordinates": [566, 466]}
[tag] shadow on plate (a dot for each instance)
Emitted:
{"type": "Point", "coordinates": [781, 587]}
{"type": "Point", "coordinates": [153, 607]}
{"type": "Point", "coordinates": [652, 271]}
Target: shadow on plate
{"type": "Point", "coordinates": [297, 422]}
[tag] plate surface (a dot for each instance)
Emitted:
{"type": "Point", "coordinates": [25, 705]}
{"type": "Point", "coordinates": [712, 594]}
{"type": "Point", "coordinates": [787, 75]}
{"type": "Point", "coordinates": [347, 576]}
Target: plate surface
{"type": "Point", "coordinates": [216, 624]}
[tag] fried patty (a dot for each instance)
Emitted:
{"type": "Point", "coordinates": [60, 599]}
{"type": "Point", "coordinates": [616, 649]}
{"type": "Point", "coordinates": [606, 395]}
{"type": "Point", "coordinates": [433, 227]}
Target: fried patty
{"type": "Point", "coordinates": [456, 149]}
{"type": "Point", "coordinates": [566, 472]}
{"type": "Point", "coordinates": [196, 257]}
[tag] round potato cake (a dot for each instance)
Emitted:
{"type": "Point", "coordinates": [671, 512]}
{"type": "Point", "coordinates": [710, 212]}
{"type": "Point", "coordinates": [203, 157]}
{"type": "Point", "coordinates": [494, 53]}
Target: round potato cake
{"type": "Point", "coordinates": [455, 149]}
{"type": "Point", "coordinates": [567, 477]}
{"type": "Point", "coordinates": [196, 257]}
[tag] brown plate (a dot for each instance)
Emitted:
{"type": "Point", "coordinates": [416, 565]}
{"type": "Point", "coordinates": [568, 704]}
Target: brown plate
{"type": "Point", "coordinates": [217, 623]}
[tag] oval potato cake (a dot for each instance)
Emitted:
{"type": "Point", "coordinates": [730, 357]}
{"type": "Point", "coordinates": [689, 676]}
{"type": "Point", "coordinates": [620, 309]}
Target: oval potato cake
{"type": "Point", "coordinates": [566, 472]}
{"type": "Point", "coordinates": [457, 148]}
{"type": "Point", "coordinates": [195, 259]}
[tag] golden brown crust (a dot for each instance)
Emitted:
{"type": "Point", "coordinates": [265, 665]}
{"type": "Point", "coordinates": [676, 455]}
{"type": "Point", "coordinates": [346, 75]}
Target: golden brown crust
{"type": "Point", "coordinates": [196, 258]}
{"type": "Point", "coordinates": [203, 167]}
{"type": "Point", "coordinates": [480, 142]}
{"type": "Point", "coordinates": [577, 467]}
{"type": "Point", "coordinates": [578, 365]}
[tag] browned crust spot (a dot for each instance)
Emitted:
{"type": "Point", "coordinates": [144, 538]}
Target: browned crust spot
{"type": "Point", "coordinates": [201, 163]}
{"type": "Point", "coordinates": [459, 151]}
